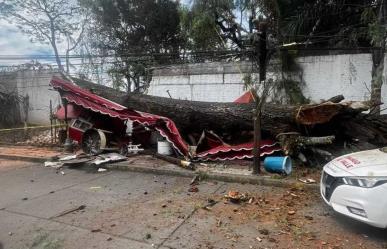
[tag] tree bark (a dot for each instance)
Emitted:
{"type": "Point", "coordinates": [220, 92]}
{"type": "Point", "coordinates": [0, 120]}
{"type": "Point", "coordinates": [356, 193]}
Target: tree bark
{"type": "Point", "coordinates": [378, 63]}
{"type": "Point", "coordinates": [377, 77]}
{"type": "Point", "coordinates": [342, 119]}
{"type": "Point", "coordinates": [54, 47]}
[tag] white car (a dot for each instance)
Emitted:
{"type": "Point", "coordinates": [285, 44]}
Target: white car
{"type": "Point", "coordinates": [356, 185]}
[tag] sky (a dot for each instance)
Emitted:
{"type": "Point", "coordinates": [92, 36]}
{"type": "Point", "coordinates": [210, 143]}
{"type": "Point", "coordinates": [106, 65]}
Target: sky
{"type": "Point", "coordinates": [14, 42]}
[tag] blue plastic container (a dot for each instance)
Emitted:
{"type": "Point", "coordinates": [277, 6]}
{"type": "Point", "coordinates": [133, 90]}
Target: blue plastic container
{"type": "Point", "coordinates": [281, 165]}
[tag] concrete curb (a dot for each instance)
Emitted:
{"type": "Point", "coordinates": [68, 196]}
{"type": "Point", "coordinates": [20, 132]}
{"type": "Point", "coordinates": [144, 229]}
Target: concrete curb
{"type": "Point", "coordinates": [24, 158]}
{"type": "Point", "coordinates": [243, 179]}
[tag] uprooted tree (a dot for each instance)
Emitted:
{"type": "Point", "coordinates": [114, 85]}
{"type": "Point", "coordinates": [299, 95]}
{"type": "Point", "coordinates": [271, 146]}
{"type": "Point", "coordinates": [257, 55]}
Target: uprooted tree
{"type": "Point", "coordinates": [232, 121]}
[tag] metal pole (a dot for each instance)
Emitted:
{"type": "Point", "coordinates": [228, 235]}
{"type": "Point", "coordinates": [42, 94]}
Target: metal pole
{"type": "Point", "coordinates": [68, 146]}
{"type": "Point", "coordinates": [51, 122]}
{"type": "Point", "coordinates": [258, 100]}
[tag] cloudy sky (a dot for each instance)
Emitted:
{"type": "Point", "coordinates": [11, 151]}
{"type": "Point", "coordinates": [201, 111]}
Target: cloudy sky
{"type": "Point", "coordinates": [13, 42]}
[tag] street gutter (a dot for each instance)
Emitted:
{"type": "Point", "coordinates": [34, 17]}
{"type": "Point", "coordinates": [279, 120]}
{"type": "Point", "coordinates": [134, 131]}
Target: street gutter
{"type": "Point", "coordinates": [223, 177]}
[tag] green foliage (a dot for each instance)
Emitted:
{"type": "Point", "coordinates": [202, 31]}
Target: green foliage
{"type": "Point", "coordinates": [376, 31]}
{"type": "Point", "coordinates": [43, 241]}
{"type": "Point", "coordinates": [144, 28]}
{"type": "Point", "coordinates": [248, 82]}
{"type": "Point", "coordinates": [204, 33]}
{"type": "Point", "coordinates": [199, 26]}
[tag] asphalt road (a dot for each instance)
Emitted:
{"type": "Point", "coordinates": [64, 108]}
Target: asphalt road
{"type": "Point", "coordinates": [43, 208]}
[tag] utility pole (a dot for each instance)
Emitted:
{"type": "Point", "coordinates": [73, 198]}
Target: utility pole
{"type": "Point", "coordinates": [261, 50]}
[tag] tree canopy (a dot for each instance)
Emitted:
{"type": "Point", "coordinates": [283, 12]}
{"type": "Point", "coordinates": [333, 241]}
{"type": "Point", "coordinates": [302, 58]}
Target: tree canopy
{"type": "Point", "coordinates": [47, 21]}
{"type": "Point", "coordinates": [133, 31]}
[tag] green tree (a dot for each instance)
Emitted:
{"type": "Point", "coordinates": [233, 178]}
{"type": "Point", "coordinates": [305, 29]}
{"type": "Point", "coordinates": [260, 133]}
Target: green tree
{"type": "Point", "coordinates": [137, 33]}
{"type": "Point", "coordinates": [199, 30]}
{"type": "Point", "coordinates": [48, 22]}
{"type": "Point", "coordinates": [205, 33]}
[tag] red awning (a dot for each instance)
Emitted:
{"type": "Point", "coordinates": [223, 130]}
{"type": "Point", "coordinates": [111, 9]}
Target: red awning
{"type": "Point", "coordinates": [88, 100]}
{"type": "Point", "coordinates": [61, 84]}
{"type": "Point", "coordinates": [240, 151]}
{"type": "Point", "coordinates": [73, 111]}
{"type": "Point", "coordinates": [247, 97]}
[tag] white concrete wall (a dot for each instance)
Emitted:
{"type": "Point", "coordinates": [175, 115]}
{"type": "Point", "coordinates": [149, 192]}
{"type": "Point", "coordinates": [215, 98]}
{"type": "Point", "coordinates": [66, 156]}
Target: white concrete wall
{"type": "Point", "coordinates": [35, 84]}
{"type": "Point", "coordinates": [324, 77]}
{"type": "Point", "coordinates": [212, 82]}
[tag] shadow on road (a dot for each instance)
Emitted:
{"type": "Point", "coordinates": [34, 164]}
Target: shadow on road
{"type": "Point", "coordinates": [360, 228]}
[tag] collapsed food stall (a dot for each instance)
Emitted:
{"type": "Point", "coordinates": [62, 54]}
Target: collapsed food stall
{"type": "Point", "coordinates": [98, 124]}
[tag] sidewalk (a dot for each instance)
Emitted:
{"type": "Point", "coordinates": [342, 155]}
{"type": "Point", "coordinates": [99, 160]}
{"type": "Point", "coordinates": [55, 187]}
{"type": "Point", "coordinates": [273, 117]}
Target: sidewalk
{"type": "Point", "coordinates": [225, 172]}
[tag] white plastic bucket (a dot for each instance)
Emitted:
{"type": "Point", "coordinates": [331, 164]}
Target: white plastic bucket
{"type": "Point", "coordinates": [164, 148]}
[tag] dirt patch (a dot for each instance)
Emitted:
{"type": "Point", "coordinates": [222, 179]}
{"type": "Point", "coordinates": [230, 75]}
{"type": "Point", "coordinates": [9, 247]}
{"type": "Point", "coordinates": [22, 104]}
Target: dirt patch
{"type": "Point", "coordinates": [32, 151]}
{"type": "Point", "coordinates": [295, 218]}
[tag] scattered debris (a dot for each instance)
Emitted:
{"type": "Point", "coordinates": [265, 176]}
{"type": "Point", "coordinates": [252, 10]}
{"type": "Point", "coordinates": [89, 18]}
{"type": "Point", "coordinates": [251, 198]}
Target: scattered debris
{"type": "Point", "coordinates": [72, 160]}
{"type": "Point", "coordinates": [69, 157]}
{"type": "Point", "coordinates": [210, 203]}
{"type": "Point", "coordinates": [24, 199]}
{"type": "Point", "coordinates": [195, 180]}
{"type": "Point", "coordinates": [55, 165]}
{"type": "Point", "coordinates": [259, 239]}
{"type": "Point", "coordinates": [264, 231]}
{"type": "Point", "coordinates": [10, 233]}
{"type": "Point", "coordinates": [62, 172]}
{"type": "Point", "coordinates": [101, 170]}
{"type": "Point", "coordinates": [236, 197]}
{"type": "Point", "coordinates": [181, 163]}
{"type": "Point", "coordinates": [42, 138]}
{"type": "Point", "coordinates": [134, 148]}
{"type": "Point", "coordinates": [109, 239]}
{"type": "Point", "coordinates": [81, 207]}
{"type": "Point", "coordinates": [308, 217]}
{"type": "Point", "coordinates": [96, 230]}
{"type": "Point", "coordinates": [193, 189]}
{"type": "Point", "coordinates": [291, 212]}
{"type": "Point", "coordinates": [307, 181]}
{"type": "Point", "coordinates": [272, 240]}
{"type": "Point", "coordinates": [109, 157]}
{"type": "Point", "coordinates": [148, 236]}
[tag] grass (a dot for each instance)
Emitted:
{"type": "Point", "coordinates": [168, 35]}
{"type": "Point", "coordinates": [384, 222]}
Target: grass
{"type": "Point", "coordinates": [43, 241]}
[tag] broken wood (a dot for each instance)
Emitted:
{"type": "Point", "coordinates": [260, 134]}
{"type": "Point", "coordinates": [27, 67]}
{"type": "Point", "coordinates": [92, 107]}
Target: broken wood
{"type": "Point", "coordinates": [181, 163]}
{"type": "Point", "coordinates": [81, 207]}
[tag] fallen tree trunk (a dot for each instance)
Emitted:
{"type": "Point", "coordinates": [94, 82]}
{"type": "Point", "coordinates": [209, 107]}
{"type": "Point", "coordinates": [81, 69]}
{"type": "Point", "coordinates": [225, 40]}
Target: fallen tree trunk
{"type": "Point", "coordinates": [328, 118]}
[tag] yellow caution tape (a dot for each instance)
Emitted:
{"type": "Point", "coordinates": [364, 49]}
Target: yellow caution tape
{"type": "Point", "coordinates": [33, 127]}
